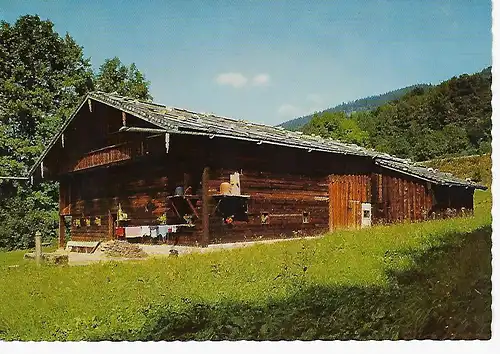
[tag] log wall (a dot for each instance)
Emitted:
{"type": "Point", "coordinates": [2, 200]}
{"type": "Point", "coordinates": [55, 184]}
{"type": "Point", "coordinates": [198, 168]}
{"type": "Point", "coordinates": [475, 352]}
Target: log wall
{"type": "Point", "coordinates": [282, 197]}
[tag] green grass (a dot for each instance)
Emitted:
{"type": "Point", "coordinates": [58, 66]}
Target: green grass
{"type": "Point", "coordinates": [398, 281]}
{"type": "Point", "coordinates": [477, 167]}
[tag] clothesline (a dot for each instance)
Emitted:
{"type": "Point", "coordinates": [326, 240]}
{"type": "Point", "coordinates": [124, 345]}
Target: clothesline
{"type": "Point", "coordinates": [149, 231]}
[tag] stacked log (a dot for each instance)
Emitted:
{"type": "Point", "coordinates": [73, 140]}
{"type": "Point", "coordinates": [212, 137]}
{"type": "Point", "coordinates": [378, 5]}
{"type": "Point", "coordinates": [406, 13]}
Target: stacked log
{"type": "Point", "coordinates": [122, 249]}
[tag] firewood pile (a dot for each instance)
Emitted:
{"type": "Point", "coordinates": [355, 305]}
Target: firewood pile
{"type": "Point", "coordinates": [122, 249]}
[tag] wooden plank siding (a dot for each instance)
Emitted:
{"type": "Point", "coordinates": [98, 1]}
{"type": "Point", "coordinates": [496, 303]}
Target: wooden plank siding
{"type": "Point", "coordinates": [347, 193]}
{"type": "Point", "coordinates": [402, 198]}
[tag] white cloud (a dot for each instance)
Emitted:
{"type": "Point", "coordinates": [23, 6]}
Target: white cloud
{"type": "Point", "coordinates": [288, 110]}
{"type": "Point", "coordinates": [261, 79]}
{"type": "Point", "coordinates": [236, 80]}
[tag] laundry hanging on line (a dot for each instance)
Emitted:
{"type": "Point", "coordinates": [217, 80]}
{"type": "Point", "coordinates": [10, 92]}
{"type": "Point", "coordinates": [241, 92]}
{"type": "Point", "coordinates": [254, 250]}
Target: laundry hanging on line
{"type": "Point", "coordinates": [145, 231]}
{"type": "Point", "coordinates": [133, 231]}
{"type": "Point", "coordinates": [120, 231]}
{"type": "Point", "coordinates": [153, 230]}
{"type": "Point", "coordinates": [163, 230]}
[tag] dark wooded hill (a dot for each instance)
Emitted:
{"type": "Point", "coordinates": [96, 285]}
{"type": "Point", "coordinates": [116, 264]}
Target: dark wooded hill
{"type": "Point", "coordinates": [450, 119]}
{"type": "Point", "coordinates": [362, 104]}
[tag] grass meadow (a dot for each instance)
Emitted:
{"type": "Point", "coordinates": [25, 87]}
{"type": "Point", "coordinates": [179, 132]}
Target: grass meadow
{"type": "Point", "coordinates": [423, 280]}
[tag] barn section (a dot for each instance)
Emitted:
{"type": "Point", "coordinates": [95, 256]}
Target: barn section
{"type": "Point", "coordinates": [129, 168]}
{"type": "Point", "coordinates": [396, 190]}
{"type": "Point", "coordinates": [406, 191]}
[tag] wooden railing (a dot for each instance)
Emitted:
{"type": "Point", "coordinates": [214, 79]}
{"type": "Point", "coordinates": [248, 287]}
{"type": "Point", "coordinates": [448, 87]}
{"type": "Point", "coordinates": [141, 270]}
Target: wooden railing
{"type": "Point", "coordinates": [105, 156]}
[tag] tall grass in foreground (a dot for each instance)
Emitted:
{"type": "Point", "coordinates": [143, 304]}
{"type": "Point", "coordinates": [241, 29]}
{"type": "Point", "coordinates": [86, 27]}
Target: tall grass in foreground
{"type": "Point", "coordinates": [429, 279]}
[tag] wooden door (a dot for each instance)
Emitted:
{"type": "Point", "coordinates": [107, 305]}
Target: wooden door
{"type": "Point", "coordinates": [346, 194]}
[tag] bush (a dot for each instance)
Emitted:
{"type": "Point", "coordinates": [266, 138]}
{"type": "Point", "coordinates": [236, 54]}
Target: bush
{"type": "Point", "coordinates": [23, 211]}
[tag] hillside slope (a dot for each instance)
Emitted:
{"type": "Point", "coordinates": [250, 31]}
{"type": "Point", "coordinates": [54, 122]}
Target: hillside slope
{"type": "Point", "coordinates": [362, 104]}
{"type": "Point", "coordinates": [476, 167]}
{"type": "Point", "coordinates": [450, 119]}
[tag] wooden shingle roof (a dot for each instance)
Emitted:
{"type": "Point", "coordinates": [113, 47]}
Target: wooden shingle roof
{"type": "Point", "coordinates": [182, 121]}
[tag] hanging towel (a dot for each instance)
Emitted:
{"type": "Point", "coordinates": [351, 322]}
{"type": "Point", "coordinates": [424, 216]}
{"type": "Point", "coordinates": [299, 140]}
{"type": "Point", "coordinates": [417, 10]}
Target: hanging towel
{"type": "Point", "coordinates": [145, 231]}
{"type": "Point", "coordinates": [172, 229]}
{"type": "Point", "coordinates": [163, 230]}
{"type": "Point", "coordinates": [153, 231]}
{"type": "Point", "coordinates": [133, 231]}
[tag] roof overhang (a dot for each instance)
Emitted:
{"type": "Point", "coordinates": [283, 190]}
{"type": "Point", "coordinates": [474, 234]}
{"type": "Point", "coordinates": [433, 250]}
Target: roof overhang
{"type": "Point", "coordinates": [430, 180]}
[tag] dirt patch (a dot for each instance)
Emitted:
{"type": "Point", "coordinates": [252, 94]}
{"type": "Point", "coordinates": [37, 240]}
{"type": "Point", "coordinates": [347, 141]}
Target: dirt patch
{"type": "Point", "coordinates": [122, 249]}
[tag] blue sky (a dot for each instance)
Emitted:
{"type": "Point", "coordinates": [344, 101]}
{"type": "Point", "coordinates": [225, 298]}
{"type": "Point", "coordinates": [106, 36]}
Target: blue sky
{"type": "Point", "coordinates": [269, 61]}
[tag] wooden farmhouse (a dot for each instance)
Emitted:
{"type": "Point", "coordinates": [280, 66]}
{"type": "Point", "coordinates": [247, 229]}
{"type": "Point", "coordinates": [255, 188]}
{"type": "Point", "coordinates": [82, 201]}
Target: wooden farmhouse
{"type": "Point", "coordinates": [145, 172]}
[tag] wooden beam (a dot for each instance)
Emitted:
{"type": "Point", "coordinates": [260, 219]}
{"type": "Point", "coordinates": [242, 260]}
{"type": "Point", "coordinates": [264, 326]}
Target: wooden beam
{"type": "Point", "coordinates": [175, 209]}
{"type": "Point", "coordinates": [111, 226]}
{"type": "Point", "coordinates": [62, 227]}
{"type": "Point", "coordinates": [62, 231]}
{"type": "Point", "coordinates": [38, 247]}
{"type": "Point", "coordinates": [205, 212]}
{"type": "Point", "coordinates": [15, 178]}
{"type": "Point", "coordinates": [192, 207]}
{"type": "Point", "coordinates": [124, 119]}
{"type": "Point", "coordinates": [140, 130]}
{"type": "Point", "coordinates": [167, 142]}
{"type": "Point", "coordinates": [62, 139]}
{"type": "Point", "coordinates": [89, 102]}
{"type": "Point", "coordinates": [41, 168]}
{"type": "Point", "coordinates": [330, 204]}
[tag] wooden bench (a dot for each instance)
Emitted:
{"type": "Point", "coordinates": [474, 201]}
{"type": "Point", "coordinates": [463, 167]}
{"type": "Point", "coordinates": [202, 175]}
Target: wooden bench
{"type": "Point", "coordinates": [82, 246]}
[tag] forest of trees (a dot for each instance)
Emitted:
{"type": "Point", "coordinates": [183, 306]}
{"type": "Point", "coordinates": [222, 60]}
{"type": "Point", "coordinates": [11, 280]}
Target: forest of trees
{"type": "Point", "coordinates": [450, 119]}
{"type": "Point", "coordinates": [359, 105]}
{"type": "Point", "coordinates": [43, 76]}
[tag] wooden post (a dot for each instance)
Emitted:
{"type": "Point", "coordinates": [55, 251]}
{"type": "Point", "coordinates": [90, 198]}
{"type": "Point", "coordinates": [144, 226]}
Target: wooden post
{"type": "Point", "coordinates": [330, 204]}
{"type": "Point", "coordinates": [38, 247]}
{"type": "Point", "coordinates": [111, 226]}
{"type": "Point", "coordinates": [205, 208]}
{"type": "Point", "coordinates": [62, 231]}
{"type": "Point", "coordinates": [167, 142]}
{"type": "Point", "coordinates": [62, 204]}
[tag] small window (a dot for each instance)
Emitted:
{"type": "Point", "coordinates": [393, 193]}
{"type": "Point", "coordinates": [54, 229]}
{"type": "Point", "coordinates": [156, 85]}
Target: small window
{"type": "Point", "coordinates": [366, 214]}
{"type": "Point", "coordinates": [264, 218]}
{"type": "Point", "coordinates": [305, 217]}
